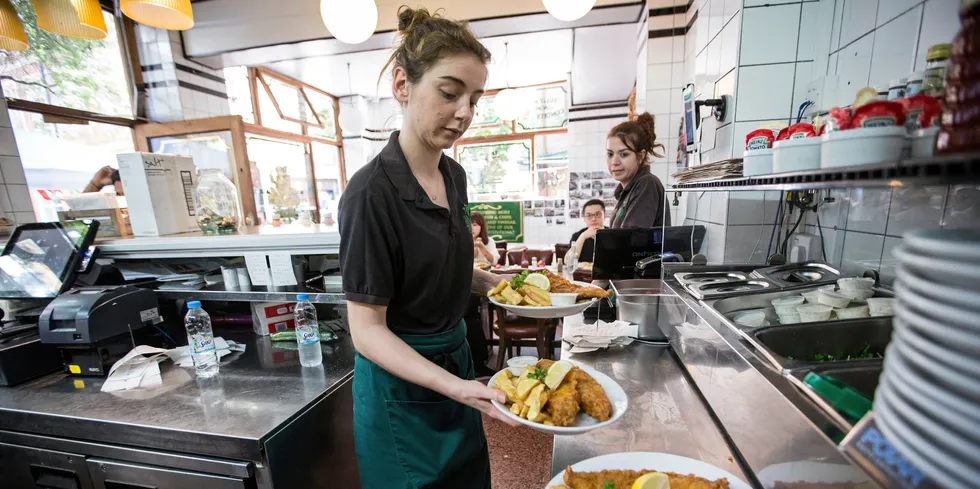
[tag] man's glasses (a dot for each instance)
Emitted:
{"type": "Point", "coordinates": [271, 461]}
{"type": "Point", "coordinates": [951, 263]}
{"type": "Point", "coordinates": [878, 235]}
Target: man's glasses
{"type": "Point", "coordinates": [595, 215]}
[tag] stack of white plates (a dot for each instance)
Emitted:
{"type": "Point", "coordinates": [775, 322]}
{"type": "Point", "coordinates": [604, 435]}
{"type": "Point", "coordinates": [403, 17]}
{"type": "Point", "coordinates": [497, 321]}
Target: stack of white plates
{"type": "Point", "coordinates": [928, 399]}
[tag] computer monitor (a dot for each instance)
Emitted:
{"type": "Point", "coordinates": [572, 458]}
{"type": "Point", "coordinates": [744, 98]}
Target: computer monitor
{"type": "Point", "coordinates": [40, 259]}
{"type": "Point", "coordinates": [618, 250]}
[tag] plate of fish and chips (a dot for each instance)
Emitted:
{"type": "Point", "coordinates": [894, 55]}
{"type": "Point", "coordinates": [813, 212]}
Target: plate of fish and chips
{"type": "Point", "coordinates": [545, 295]}
{"type": "Point", "coordinates": [645, 470]}
{"type": "Point", "coordinates": [560, 398]}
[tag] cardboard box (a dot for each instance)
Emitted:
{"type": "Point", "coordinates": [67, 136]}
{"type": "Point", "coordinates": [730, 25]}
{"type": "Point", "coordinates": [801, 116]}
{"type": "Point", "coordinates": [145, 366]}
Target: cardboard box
{"type": "Point", "coordinates": [159, 192]}
{"type": "Point", "coordinates": [272, 317]}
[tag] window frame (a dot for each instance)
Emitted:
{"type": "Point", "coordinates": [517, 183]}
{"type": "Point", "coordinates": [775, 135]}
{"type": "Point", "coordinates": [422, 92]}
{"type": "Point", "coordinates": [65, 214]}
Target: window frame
{"type": "Point", "coordinates": [257, 75]}
{"type": "Point", "coordinates": [514, 137]}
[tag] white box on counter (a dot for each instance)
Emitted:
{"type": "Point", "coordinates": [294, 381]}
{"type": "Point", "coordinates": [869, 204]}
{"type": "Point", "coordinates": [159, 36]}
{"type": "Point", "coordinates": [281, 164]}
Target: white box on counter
{"type": "Point", "coordinates": [272, 317]}
{"type": "Point", "coordinates": [159, 192]}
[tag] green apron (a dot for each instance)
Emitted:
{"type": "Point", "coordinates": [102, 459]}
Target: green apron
{"type": "Point", "coordinates": [409, 437]}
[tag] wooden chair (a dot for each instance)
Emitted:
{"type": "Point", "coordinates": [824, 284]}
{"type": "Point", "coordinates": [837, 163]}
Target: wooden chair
{"type": "Point", "coordinates": [516, 256]}
{"type": "Point", "coordinates": [502, 250]}
{"type": "Point", "coordinates": [534, 256]}
{"type": "Point", "coordinates": [519, 331]}
{"type": "Point", "coordinates": [561, 249]}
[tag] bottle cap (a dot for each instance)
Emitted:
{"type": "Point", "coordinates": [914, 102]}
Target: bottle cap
{"type": "Point", "coordinates": [194, 305]}
{"type": "Point", "coordinates": [302, 297]}
{"type": "Point", "coordinates": [939, 51]}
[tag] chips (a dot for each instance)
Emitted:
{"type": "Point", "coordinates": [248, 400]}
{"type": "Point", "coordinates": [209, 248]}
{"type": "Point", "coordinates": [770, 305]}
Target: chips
{"type": "Point", "coordinates": [527, 295]}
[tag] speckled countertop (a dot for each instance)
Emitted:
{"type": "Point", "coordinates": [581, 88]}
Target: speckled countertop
{"type": "Point", "coordinates": [256, 393]}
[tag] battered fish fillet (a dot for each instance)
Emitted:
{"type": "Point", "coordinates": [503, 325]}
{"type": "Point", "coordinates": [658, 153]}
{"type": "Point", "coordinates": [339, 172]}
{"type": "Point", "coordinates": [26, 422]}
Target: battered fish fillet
{"type": "Point", "coordinates": [592, 397]}
{"type": "Point", "coordinates": [563, 404]}
{"type": "Point", "coordinates": [559, 285]}
{"type": "Point", "coordinates": [623, 479]}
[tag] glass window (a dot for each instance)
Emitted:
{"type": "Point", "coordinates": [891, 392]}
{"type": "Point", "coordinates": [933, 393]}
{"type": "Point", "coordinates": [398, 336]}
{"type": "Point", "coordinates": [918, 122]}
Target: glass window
{"type": "Point", "coordinates": [280, 178]}
{"type": "Point", "coordinates": [239, 93]}
{"type": "Point", "coordinates": [209, 150]}
{"type": "Point", "coordinates": [290, 101]}
{"type": "Point", "coordinates": [270, 117]}
{"type": "Point", "coordinates": [548, 111]}
{"type": "Point", "coordinates": [324, 107]}
{"type": "Point", "coordinates": [501, 170]}
{"type": "Point", "coordinates": [485, 121]}
{"type": "Point", "coordinates": [326, 167]}
{"type": "Point", "coordinates": [63, 158]}
{"type": "Point", "coordinates": [76, 73]}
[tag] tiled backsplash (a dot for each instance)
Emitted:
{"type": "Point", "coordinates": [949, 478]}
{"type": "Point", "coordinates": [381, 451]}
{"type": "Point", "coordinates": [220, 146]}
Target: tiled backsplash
{"type": "Point", "coordinates": [15, 199]}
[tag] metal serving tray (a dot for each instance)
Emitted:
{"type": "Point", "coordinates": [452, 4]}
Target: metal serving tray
{"type": "Point", "coordinates": [802, 274]}
{"type": "Point", "coordinates": [793, 346]}
{"type": "Point", "coordinates": [717, 290]}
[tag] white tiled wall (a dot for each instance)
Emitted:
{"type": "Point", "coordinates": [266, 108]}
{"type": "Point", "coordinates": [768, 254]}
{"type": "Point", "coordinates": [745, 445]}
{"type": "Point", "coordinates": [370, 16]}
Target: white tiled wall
{"type": "Point", "coordinates": [15, 199]}
{"type": "Point", "coordinates": [178, 88]}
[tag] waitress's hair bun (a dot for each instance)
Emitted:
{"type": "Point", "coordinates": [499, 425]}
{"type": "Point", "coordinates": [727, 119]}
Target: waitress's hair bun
{"type": "Point", "coordinates": [424, 38]}
{"type": "Point", "coordinates": [639, 135]}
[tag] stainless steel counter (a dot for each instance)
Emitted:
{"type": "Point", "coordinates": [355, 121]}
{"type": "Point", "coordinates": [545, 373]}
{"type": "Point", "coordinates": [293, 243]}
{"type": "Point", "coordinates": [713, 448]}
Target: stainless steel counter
{"type": "Point", "coordinates": [665, 412]}
{"type": "Point", "coordinates": [257, 394]}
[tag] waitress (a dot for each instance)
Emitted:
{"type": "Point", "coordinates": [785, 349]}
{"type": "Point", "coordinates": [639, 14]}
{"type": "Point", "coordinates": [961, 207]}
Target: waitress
{"type": "Point", "coordinates": [406, 257]}
{"type": "Point", "coordinates": [640, 201]}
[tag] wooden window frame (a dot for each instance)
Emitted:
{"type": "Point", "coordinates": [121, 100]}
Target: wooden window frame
{"type": "Point", "coordinates": [257, 76]}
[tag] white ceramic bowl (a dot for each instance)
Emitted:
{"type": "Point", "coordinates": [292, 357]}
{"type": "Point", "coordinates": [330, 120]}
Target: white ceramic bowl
{"type": "Point", "coordinates": [863, 146]}
{"type": "Point", "coordinates": [923, 142]}
{"type": "Point", "coordinates": [796, 155]}
{"type": "Point", "coordinates": [583, 422]}
{"type": "Point", "coordinates": [814, 312]}
{"type": "Point", "coordinates": [833, 299]}
{"type": "Point", "coordinates": [852, 312]}
{"type": "Point", "coordinates": [855, 283]}
{"type": "Point", "coordinates": [563, 299]}
{"type": "Point", "coordinates": [757, 162]}
{"type": "Point", "coordinates": [880, 306]}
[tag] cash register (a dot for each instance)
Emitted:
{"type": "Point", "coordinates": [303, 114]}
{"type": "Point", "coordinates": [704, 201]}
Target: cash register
{"type": "Point", "coordinates": [80, 330]}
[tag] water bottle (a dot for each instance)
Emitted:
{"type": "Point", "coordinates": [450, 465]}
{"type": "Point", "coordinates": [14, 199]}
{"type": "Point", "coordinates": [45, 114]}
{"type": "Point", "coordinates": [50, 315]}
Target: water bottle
{"type": "Point", "coordinates": [571, 263]}
{"type": "Point", "coordinates": [201, 340]}
{"type": "Point", "coordinates": [307, 332]}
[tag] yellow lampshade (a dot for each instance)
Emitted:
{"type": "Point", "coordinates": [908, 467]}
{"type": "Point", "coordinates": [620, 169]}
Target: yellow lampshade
{"type": "Point", "coordinates": [174, 15]}
{"type": "Point", "coordinates": [12, 35]}
{"type": "Point", "coordinates": [81, 19]}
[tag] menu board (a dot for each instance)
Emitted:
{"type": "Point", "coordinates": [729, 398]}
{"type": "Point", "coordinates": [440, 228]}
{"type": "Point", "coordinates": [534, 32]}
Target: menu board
{"type": "Point", "coordinates": [505, 220]}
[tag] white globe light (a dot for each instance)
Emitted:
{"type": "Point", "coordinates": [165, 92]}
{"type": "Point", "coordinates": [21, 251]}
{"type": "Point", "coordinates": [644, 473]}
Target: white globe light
{"type": "Point", "coordinates": [568, 10]}
{"type": "Point", "coordinates": [350, 21]}
{"type": "Point", "coordinates": [350, 120]}
{"type": "Point", "coordinates": [508, 104]}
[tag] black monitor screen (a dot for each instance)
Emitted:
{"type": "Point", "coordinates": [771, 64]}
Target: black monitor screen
{"type": "Point", "coordinates": [39, 258]}
{"type": "Point", "coordinates": [618, 250]}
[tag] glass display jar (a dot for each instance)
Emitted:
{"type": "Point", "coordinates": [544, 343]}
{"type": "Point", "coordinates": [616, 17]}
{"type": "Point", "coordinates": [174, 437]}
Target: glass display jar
{"type": "Point", "coordinates": [217, 203]}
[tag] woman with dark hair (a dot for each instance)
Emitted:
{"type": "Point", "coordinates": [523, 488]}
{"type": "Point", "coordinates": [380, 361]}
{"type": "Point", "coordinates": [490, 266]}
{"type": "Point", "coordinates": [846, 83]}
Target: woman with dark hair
{"type": "Point", "coordinates": [407, 264]}
{"type": "Point", "coordinates": [640, 195]}
{"type": "Point", "coordinates": [484, 247]}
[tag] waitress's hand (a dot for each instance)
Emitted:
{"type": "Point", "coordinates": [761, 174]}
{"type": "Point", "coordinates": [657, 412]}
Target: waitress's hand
{"type": "Point", "coordinates": [476, 395]}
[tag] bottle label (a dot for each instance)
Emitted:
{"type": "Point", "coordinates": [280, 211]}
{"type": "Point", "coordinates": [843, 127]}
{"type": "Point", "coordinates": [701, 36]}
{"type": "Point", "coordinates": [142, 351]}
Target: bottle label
{"type": "Point", "coordinates": [202, 343]}
{"type": "Point", "coordinates": [306, 335]}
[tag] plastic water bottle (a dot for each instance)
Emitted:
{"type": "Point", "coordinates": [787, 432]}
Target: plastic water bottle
{"type": "Point", "coordinates": [307, 332]}
{"type": "Point", "coordinates": [201, 340]}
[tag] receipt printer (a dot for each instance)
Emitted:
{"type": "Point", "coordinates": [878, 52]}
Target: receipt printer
{"type": "Point", "coordinates": [95, 326]}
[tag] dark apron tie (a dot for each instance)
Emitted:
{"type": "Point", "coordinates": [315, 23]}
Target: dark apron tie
{"type": "Point", "coordinates": [409, 437]}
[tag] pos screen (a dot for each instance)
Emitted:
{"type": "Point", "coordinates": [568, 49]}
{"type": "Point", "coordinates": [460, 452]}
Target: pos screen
{"type": "Point", "coordinates": [690, 118]}
{"type": "Point", "coordinates": [40, 259]}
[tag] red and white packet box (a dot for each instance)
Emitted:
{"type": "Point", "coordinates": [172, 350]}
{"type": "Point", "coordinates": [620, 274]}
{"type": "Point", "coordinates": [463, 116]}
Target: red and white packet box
{"type": "Point", "coordinates": [272, 317]}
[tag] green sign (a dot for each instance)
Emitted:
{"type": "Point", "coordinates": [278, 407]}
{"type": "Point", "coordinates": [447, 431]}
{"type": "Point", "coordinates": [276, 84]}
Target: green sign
{"type": "Point", "coordinates": [505, 220]}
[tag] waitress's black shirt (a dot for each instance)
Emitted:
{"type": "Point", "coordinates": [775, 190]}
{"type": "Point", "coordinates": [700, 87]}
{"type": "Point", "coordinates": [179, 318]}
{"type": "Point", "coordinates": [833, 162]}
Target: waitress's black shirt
{"type": "Point", "coordinates": [399, 249]}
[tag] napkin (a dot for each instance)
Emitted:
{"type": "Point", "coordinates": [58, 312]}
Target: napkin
{"type": "Point", "coordinates": [141, 366]}
{"type": "Point", "coordinates": [591, 337]}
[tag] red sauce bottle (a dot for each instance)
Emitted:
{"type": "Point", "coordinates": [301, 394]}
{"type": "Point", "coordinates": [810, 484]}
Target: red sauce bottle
{"type": "Point", "coordinates": [960, 130]}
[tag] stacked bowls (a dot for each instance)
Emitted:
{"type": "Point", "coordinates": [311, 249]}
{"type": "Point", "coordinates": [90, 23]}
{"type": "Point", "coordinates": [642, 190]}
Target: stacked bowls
{"type": "Point", "coordinates": [928, 398]}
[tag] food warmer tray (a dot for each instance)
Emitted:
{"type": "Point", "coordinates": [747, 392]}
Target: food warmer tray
{"type": "Point", "coordinates": [796, 275]}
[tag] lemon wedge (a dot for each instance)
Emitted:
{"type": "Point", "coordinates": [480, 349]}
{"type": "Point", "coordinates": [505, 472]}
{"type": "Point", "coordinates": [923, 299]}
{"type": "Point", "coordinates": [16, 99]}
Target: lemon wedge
{"type": "Point", "coordinates": [538, 280]}
{"type": "Point", "coordinates": [556, 373]}
{"type": "Point", "coordinates": [653, 480]}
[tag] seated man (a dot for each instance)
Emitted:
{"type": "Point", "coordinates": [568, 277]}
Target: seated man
{"type": "Point", "coordinates": [594, 214]}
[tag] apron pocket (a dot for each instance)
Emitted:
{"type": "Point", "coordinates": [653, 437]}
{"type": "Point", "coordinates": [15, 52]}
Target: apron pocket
{"type": "Point", "coordinates": [434, 438]}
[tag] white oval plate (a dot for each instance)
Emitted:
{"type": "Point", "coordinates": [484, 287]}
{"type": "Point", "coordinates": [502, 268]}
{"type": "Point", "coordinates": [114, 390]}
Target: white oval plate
{"type": "Point", "coordinates": [583, 422]}
{"type": "Point", "coordinates": [548, 312]}
{"type": "Point", "coordinates": [663, 462]}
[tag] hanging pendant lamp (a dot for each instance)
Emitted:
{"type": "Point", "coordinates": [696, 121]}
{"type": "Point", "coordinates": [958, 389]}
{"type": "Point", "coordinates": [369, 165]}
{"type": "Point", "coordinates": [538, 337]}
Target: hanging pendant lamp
{"type": "Point", "coordinates": [80, 19]}
{"type": "Point", "coordinates": [568, 10]}
{"type": "Point", "coordinates": [173, 15]}
{"type": "Point", "coordinates": [12, 35]}
{"type": "Point", "coordinates": [350, 21]}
